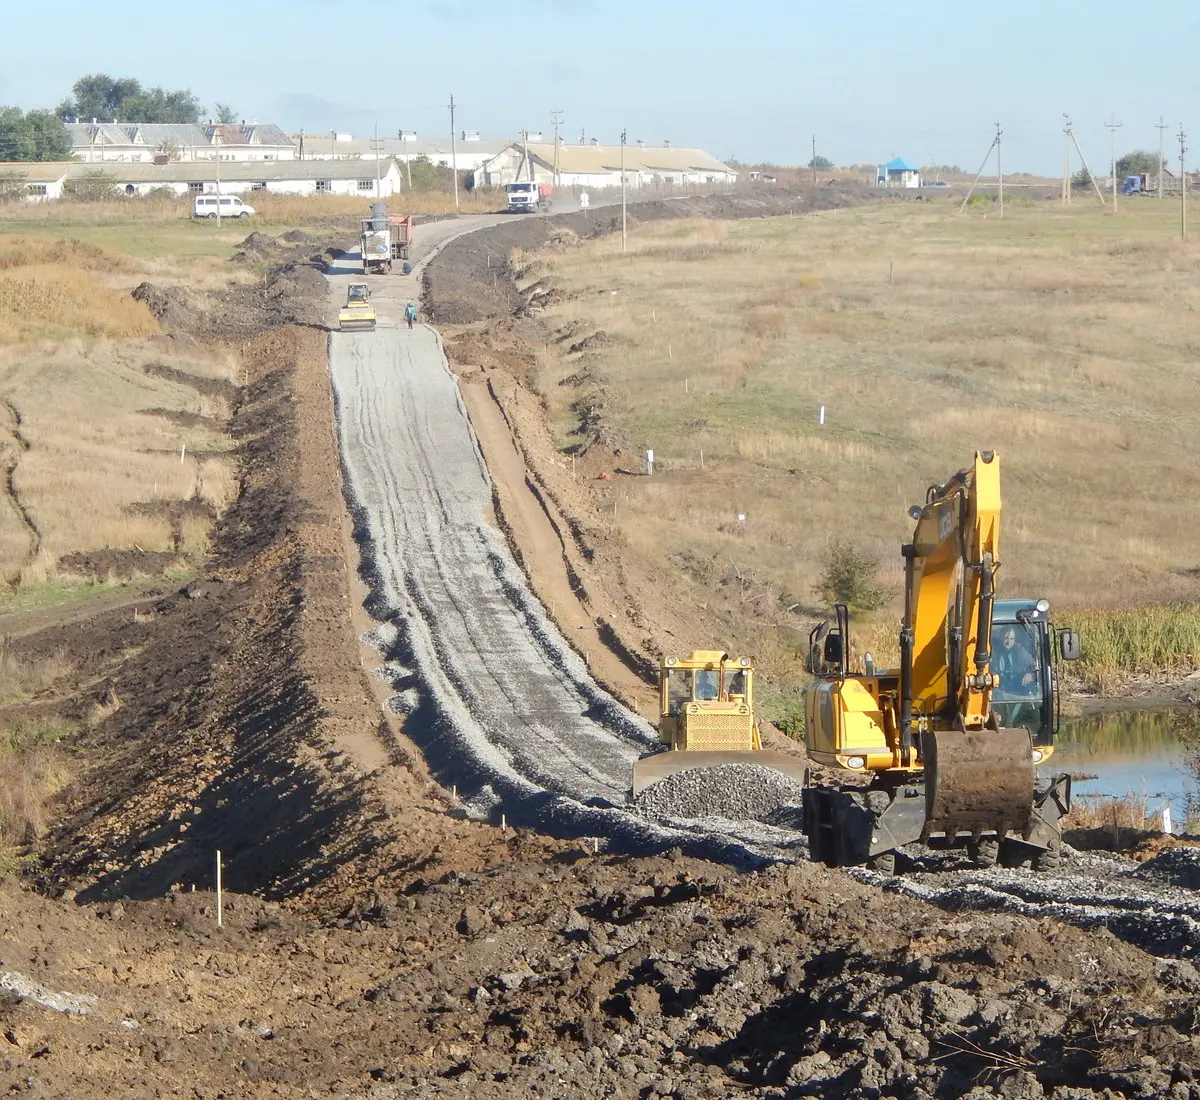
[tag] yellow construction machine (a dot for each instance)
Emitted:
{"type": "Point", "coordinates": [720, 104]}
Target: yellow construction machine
{"type": "Point", "coordinates": [706, 718]}
{"type": "Point", "coordinates": [943, 749]}
{"type": "Point", "coordinates": [357, 313]}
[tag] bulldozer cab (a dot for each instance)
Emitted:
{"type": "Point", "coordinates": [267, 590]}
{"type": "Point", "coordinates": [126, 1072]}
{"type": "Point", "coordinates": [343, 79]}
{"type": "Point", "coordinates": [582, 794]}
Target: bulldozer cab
{"type": "Point", "coordinates": [683, 685]}
{"type": "Point", "coordinates": [707, 701]}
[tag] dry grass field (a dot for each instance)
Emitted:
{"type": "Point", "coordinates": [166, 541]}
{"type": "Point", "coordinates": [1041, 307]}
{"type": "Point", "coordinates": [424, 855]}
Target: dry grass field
{"type": "Point", "coordinates": [90, 441]}
{"type": "Point", "coordinates": [1064, 339]}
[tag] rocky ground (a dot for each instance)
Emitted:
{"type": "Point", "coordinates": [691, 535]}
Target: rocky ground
{"type": "Point", "coordinates": [376, 944]}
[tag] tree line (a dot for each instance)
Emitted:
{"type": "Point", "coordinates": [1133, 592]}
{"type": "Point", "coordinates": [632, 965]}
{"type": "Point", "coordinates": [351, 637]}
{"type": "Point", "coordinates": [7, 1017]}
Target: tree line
{"type": "Point", "coordinates": [39, 134]}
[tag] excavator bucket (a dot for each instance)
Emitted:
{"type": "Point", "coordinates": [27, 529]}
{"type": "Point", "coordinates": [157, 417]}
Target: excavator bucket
{"type": "Point", "coordinates": [650, 769]}
{"type": "Point", "coordinates": [978, 780]}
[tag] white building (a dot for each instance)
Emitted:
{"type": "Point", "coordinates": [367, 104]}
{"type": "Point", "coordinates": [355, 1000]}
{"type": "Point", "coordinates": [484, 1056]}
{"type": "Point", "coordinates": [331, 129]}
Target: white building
{"type": "Point", "coordinates": [41, 181]}
{"type": "Point", "coordinates": [148, 143]}
{"type": "Point", "coordinates": [897, 173]}
{"type": "Point", "coordinates": [598, 166]}
{"type": "Point", "coordinates": [47, 181]}
{"type": "Point", "coordinates": [469, 152]}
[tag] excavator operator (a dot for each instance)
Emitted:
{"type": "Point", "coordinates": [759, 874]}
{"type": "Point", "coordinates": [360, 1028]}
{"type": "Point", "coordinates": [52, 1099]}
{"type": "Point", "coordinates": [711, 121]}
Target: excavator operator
{"type": "Point", "coordinates": [1014, 664]}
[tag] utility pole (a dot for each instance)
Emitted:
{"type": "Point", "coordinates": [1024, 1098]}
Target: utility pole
{"type": "Point", "coordinates": [375, 146]}
{"type": "Point", "coordinates": [556, 116]}
{"type": "Point", "coordinates": [301, 156]}
{"type": "Point", "coordinates": [814, 159]}
{"type": "Point", "coordinates": [1113, 127]}
{"type": "Point", "coordinates": [1000, 169]}
{"type": "Point", "coordinates": [979, 174]}
{"type": "Point", "coordinates": [453, 155]}
{"type": "Point", "coordinates": [623, 133]}
{"type": "Point", "coordinates": [1160, 126]}
{"type": "Point", "coordinates": [1066, 179]}
{"type": "Point", "coordinates": [1182, 183]}
{"type": "Point", "coordinates": [1086, 168]}
{"type": "Point", "coordinates": [217, 146]}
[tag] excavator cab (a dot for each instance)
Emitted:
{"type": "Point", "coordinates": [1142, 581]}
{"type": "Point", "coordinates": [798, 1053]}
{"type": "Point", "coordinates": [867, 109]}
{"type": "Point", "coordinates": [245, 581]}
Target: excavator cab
{"type": "Point", "coordinates": [1026, 648]}
{"type": "Point", "coordinates": [706, 718]}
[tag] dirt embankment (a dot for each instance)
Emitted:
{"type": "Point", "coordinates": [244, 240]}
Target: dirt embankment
{"type": "Point", "coordinates": [471, 280]}
{"type": "Point", "coordinates": [395, 950]}
{"type": "Point", "coordinates": [492, 331]}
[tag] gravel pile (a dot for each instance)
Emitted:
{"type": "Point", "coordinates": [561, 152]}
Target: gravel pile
{"type": "Point", "coordinates": [742, 792]}
{"type": "Point", "coordinates": [1176, 867]}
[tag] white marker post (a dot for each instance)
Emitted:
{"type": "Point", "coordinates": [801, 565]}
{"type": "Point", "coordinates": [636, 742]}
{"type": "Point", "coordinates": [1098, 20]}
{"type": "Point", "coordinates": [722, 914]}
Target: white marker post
{"type": "Point", "coordinates": [1166, 821]}
{"type": "Point", "coordinates": [821, 415]}
{"type": "Point", "coordinates": [649, 463]}
{"type": "Point", "coordinates": [220, 896]}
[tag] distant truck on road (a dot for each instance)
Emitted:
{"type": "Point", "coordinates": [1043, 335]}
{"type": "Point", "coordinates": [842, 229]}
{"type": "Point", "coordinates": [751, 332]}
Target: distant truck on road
{"type": "Point", "coordinates": [384, 239]}
{"type": "Point", "coordinates": [1146, 183]}
{"type": "Point", "coordinates": [527, 197]}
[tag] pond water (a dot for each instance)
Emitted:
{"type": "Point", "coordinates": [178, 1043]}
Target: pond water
{"type": "Point", "coordinates": [1130, 753]}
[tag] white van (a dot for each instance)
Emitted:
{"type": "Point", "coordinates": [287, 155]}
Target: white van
{"type": "Point", "coordinates": [205, 206]}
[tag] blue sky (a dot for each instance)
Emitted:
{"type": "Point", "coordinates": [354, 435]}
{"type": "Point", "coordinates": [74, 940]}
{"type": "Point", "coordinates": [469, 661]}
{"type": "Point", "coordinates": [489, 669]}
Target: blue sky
{"type": "Point", "coordinates": [754, 79]}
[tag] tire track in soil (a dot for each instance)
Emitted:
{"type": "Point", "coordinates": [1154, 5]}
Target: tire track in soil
{"type": "Point", "coordinates": [12, 459]}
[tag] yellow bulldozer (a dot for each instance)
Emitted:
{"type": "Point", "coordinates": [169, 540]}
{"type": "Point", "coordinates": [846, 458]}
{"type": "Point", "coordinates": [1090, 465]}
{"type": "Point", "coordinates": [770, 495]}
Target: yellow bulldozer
{"type": "Point", "coordinates": [943, 749]}
{"type": "Point", "coordinates": [357, 314]}
{"type": "Point", "coordinates": [706, 718]}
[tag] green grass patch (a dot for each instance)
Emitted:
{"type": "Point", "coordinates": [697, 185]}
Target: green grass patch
{"type": "Point", "coordinates": [1156, 641]}
{"type": "Point", "coordinates": [58, 591]}
{"type": "Point", "coordinates": [181, 238]}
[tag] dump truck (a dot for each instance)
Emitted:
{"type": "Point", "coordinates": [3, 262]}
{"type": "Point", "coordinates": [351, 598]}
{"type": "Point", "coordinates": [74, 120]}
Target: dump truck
{"type": "Point", "coordinates": [943, 750]}
{"type": "Point", "coordinates": [528, 197]}
{"type": "Point", "coordinates": [1146, 183]}
{"type": "Point", "coordinates": [357, 313]}
{"type": "Point", "coordinates": [400, 231]}
{"type": "Point", "coordinates": [375, 244]}
{"type": "Point", "coordinates": [707, 718]}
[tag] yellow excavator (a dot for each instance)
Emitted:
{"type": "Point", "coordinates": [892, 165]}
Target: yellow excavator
{"type": "Point", "coordinates": [357, 313]}
{"type": "Point", "coordinates": [944, 749]}
{"type": "Point", "coordinates": [706, 718]}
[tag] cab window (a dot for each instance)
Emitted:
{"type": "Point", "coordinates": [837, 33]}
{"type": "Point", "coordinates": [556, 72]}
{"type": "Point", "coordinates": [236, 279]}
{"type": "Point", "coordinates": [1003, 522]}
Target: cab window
{"type": "Point", "coordinates": [679, 689]}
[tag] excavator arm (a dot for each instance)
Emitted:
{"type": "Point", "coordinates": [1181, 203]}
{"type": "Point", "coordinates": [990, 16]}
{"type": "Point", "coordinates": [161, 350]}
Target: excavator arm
{"type": "Point", "coordinates": [950, 572]}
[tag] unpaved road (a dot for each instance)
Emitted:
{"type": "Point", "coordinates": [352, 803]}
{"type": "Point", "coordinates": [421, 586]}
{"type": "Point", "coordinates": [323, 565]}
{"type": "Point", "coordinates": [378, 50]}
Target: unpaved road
{"type": "Point", "coordinates": [391, 292]}
{"type": "Point", "coordinates": [506, 712]}
{"type": "Point", "coordinates": [502, 708]}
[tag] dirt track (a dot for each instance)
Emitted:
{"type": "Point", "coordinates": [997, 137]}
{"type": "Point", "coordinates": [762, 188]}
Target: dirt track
{"type": "Point", "coordinates": [396, 950]}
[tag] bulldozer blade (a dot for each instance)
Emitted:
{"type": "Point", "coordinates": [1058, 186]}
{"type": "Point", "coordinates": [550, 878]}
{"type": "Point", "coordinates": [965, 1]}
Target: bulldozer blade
{"type": "Point", "coordinates": [978, 781]}
{"type": "Point", "coordinates": [650, 769]}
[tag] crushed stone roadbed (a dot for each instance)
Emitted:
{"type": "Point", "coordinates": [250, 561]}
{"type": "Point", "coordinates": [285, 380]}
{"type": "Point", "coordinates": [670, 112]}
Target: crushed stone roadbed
{"type": "Point", "coordinates": [503, 709]}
